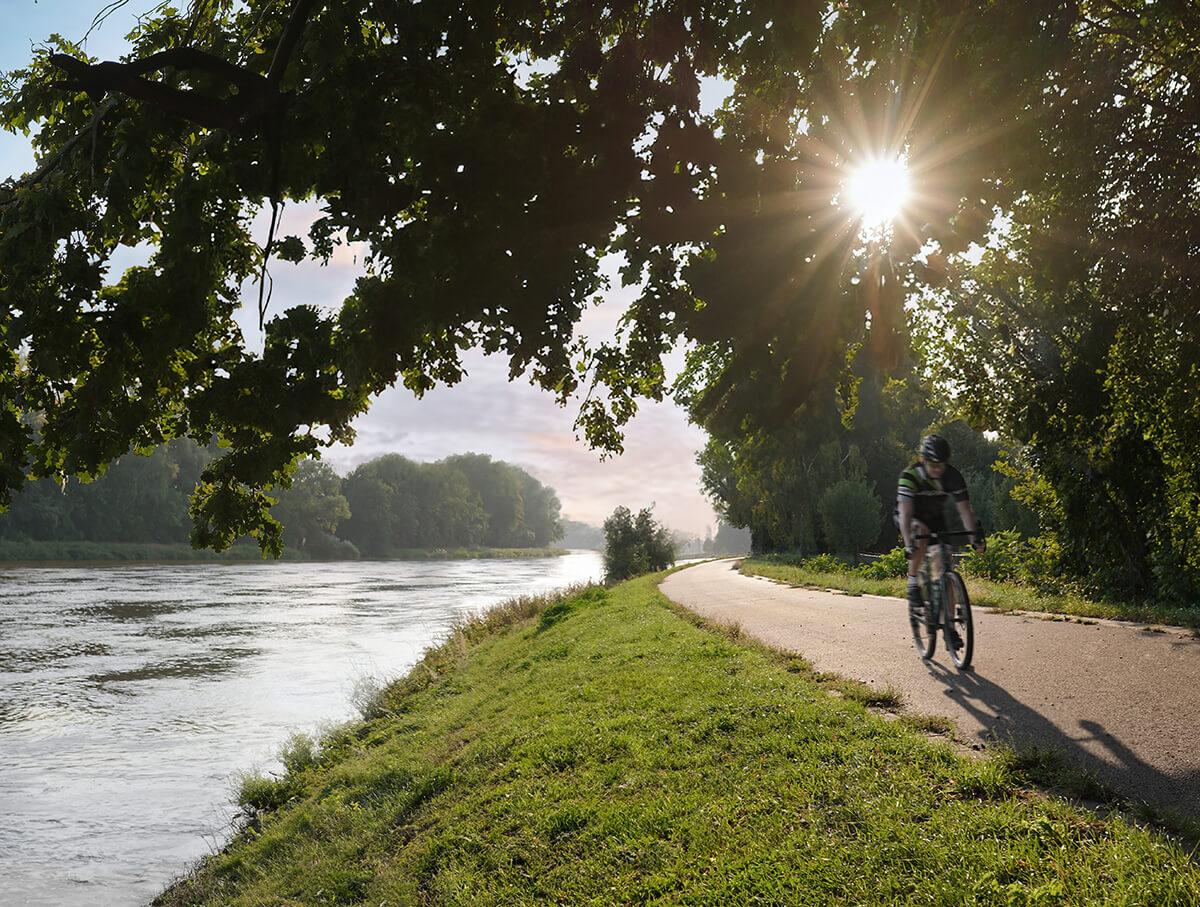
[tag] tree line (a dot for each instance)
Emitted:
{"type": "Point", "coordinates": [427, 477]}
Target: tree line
{"type": "Point", "coordinates": [384, 506]}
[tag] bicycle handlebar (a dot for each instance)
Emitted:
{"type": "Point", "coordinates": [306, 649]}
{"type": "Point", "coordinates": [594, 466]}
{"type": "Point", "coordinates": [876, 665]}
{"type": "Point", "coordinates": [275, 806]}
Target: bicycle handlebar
{"type": "Point", "coordinates": [942, 535]}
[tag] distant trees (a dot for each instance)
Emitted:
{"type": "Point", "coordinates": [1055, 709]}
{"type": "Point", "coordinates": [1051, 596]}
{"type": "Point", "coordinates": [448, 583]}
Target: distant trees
{"type": "Point", "coordinates": [139, 498]}
{"type": "Point", "coordinates": [635, 545]}
{"type": "Point", "coordinates": [385, 505]}
{"type": "Point", "coordinates": [396, 503]}
{"type": "Point", "coordinates": [728, 540]}
{"type": "Point", "coordinates": [462, 501]}
{"type": "Point", "coordinates": [582, 535]}
{"type": "Point", "coordinates": [311, 509]}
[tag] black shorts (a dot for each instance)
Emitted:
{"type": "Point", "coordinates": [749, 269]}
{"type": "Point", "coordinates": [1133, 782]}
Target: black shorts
{"type": "Point", "coordinates": [936, 525]}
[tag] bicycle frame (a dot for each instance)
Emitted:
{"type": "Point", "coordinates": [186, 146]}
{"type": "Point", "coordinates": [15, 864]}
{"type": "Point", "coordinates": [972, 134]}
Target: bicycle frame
{"type": "Point", "coordinates": [947, 607]}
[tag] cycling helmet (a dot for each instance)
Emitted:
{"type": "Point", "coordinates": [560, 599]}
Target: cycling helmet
{"type": "Point", "coordinates": [935, 449]}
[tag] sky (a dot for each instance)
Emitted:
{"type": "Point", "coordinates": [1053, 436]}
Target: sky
{"type": "Point", "coordinates": [485, 413]}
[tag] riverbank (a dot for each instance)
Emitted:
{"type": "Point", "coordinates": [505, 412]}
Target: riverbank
{"type": "Point", "coordinates": [607, 748]}
{"type": "Point", "coordinates": [57, 553]}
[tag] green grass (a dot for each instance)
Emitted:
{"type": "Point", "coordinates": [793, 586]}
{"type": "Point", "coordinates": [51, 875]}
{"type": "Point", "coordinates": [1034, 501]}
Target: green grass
{"type": "Point", "coordinates": [984, 594]}
{"type": "Point", "coordinates": [607, 748]}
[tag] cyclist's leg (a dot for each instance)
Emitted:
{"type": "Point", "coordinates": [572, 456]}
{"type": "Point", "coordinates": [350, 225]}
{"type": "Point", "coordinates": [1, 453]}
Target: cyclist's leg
{"type": "Point", "coordinates": [922, 616]}
{"type": "Point", "coordinates": [920, 545]}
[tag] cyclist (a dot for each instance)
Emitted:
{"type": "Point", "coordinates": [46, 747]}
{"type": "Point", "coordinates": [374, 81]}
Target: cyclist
{"type": "Point", "coordinates": [920, 497]}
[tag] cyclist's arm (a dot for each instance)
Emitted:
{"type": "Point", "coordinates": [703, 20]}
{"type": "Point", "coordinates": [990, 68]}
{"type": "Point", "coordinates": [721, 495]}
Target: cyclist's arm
{"type": "Point", "coordinates": [971, 523]}
{"type": "Point", "coordinates": [908, 511]}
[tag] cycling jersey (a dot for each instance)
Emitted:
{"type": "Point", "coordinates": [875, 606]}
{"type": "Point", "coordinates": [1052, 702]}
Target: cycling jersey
{"type": "Point", "coordinates": [929, 494]}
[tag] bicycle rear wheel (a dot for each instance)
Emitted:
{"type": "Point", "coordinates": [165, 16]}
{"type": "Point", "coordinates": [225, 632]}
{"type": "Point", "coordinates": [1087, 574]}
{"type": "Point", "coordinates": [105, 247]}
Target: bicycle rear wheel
{"type": "Point", "coordinates": [923, 620]}
{"type": "Point", "coordinates": [959, 627]}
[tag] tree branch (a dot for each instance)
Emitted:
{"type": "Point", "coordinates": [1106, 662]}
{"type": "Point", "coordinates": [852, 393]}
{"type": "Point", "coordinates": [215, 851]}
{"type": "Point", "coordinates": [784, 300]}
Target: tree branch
{"type": "Point", "coordinates": [255, 94]}
{"type": "Point", "coordinates": [297, 22]}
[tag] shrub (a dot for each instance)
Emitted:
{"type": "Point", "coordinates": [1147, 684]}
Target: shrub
{"type": "Point", "coordinates": [1002, 562]}
{"type": "Point", "coordinates": [891, 565]}
{"type": "Point", "coordinates": [851, 516]}
{"type": "Point", "coordinates": [1034, 563]}
{"type": "Point", "coordinates": [635, 545]}
{"type": "Point", "coordinates": [825, 563]}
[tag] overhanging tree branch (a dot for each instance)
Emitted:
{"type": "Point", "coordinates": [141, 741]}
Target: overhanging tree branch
{"type": "Point", "coordinates": [257, 96]}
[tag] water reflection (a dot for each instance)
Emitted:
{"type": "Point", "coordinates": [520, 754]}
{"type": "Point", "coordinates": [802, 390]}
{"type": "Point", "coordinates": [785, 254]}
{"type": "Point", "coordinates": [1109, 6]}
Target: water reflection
{"type": "Point", "coordinates": [130, 697]}
{"type": "Point", "coordinates": [200, 667]}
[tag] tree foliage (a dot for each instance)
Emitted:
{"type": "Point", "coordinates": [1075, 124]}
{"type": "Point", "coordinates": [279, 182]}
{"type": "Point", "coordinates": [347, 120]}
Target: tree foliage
{"type": "Point", "coordinates": [312, 507]}
{"type": "Point", "coordinates": [383, 506]}
{"type": "Point", "coordinates": [1076, 331]}
{"type": "Point", "coordinates": [488, 156]}
{"type": "Point", "coordinates": [141, 498]}
{"type": "Point", "coordinates": [491, 156]}
{"type": "Point", "coordinates": [634, 545]}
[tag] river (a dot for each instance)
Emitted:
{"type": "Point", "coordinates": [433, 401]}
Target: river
{"type": "Point", "coordinates": [132, 697]}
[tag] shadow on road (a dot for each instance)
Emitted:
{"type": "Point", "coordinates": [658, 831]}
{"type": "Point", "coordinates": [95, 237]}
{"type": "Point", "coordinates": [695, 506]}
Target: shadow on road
{"type": "Point", "coordinates": [1008, 721]}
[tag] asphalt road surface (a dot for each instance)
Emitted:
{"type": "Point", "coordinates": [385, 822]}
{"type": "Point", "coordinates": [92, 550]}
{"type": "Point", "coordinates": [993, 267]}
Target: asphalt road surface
{"type": "Point", "coordinates": [1116, 698]}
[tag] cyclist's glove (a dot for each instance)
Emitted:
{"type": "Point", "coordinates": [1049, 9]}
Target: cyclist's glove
{"type": "Point", "coordinates": [979, 534]}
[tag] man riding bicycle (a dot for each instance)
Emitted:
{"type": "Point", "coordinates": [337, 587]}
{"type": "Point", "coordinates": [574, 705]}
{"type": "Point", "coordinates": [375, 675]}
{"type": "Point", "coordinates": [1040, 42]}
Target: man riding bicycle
{"type": "Point", "coordinates": [920, 499]}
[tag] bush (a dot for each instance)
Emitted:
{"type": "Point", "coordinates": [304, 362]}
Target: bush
{"type": "Point", "coordinates": [633, 546]}
{"type": "Point", "coordinates": [1034, 563]}
{"type": "Point", "coordinates": [825, 563]}
{"type": "Point", "coordinates": [851, 516]}
{"type": "Point", "coordinates": [1002, 562]}
{"type": "Point", "coordinates": [891, 565]}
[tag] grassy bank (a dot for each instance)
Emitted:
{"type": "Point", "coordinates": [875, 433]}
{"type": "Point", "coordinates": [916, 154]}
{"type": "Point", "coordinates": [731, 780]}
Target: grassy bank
{"type": "Point", "coordinates": [984, 593]}
{"type": "Point", "coordinates": [604, 748]}
{"type": "Point", "coordinates": [135, 552]}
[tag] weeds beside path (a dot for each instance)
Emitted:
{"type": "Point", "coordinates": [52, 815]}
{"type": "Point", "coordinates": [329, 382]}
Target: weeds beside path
{"type": "Point", "coordinates": [607, 748]}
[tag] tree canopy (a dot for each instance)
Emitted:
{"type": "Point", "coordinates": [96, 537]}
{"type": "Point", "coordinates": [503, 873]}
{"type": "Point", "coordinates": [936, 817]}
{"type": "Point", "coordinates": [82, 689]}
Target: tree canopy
{"type": "Point", "coordinates": [489, 156]}
{"type": "Point", "coordinates": [384, 506]}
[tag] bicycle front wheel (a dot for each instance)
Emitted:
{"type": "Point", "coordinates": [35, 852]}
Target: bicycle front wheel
{"type": "Point", "coordinates": [923, 620]}
{"type": "Point", "coordinates": [959, 627]}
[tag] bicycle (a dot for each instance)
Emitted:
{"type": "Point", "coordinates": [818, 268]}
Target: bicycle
{"type": "Point", "coordinates": [944, 604]}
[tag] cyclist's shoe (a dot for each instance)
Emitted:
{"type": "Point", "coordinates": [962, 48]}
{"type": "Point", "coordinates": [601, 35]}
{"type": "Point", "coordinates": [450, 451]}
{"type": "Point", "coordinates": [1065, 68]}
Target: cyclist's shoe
{"type": "Point", "coordinates": [956, 642]}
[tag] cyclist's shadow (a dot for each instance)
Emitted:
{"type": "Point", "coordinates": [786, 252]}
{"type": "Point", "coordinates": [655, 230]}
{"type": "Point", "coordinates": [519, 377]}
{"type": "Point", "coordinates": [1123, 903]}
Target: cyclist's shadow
{"type": "Point", "coordinates": [1009, 722]}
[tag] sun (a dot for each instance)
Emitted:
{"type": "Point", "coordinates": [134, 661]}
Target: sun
{"type": "Point", "coordinates": [878, 191]}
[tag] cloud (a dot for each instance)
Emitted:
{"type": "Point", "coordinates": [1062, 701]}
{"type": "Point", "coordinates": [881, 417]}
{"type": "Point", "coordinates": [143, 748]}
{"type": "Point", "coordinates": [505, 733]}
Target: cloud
{"type": "Point", "coordinates": [517, 423]}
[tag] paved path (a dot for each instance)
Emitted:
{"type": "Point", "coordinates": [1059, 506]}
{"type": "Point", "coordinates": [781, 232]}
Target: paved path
{"type": "Point", "coordinates": [1117, 698]}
